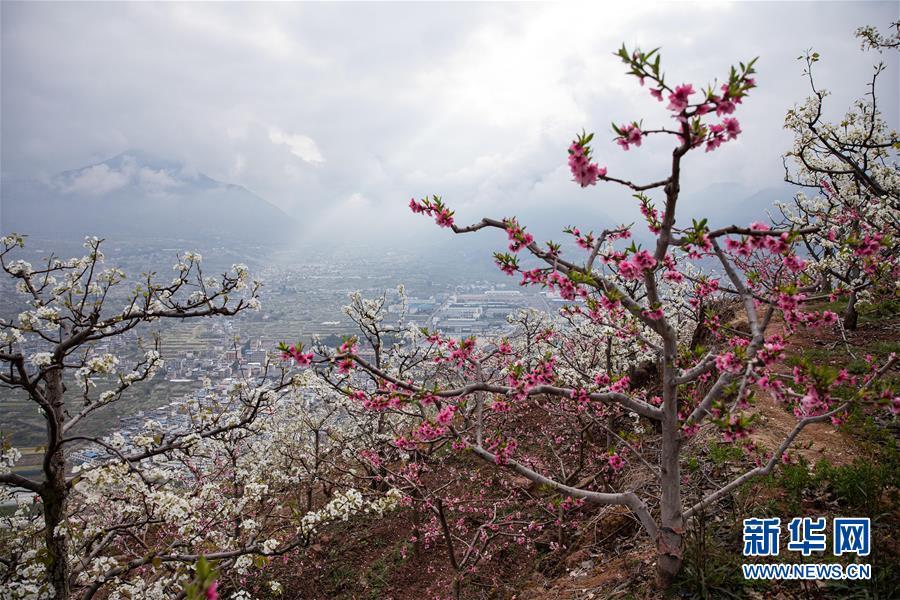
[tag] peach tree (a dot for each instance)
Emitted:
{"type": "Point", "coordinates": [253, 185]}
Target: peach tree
{"type": "Point", "coordinates": [621, 379]}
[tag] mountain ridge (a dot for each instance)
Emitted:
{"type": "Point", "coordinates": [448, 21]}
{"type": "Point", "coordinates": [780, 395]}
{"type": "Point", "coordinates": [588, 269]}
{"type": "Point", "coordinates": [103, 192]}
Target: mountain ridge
{"type": "Point", "coordinates": [136, 194]}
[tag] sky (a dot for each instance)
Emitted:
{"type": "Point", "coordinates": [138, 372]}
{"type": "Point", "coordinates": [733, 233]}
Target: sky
{"type": "Point", "coordinates": [339, 113]}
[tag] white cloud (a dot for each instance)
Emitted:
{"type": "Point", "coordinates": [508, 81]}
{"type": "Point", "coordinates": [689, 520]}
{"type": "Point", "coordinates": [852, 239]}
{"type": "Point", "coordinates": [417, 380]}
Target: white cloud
{"type": "Point", "coordinates": [156, 181]}
{"type": "Point", "coordinates": [301, 146]}
{"type": "Point", "coordinates": [95, 181]}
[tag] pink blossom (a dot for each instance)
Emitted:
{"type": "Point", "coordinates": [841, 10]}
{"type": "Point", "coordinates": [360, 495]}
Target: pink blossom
{"type": "Point", "coordinates": [404, 444]}
{"type": "Point", "coordinates": [729, 363]}
{"type": "Point", "coordinates": [616, 462]}
{"type": "Point", "coordinates": [212, 592]}
{"type": "Point", "coordinates": [678, 100]}
{"type": "Point", "coordinates": [446, 415]}
{"type": "Point", "coordinates": [629, 270]}
{"type": "Point", "coordinates": [732, 128]}
{"type": "Point", "coordinates": [444, 218]}
{"type": "Point", "coordinates": [631, 135]}
{"type": "Point", "coordinates": [788, 302]}
{"type": "Point", "coordinates": [584, 171]}
{"type": "Point", "coordinates": [502, 456]}
{"type": "Point", "coordinates": [644, 260]}
{"type": "Point", "coordinates": [428, 431]}
{"type": "Point", "coordinates": [296, 353]}
{"type": "Point", "coordinates": [581, 396]}
{"type": "Point", "coordinates": [724, 107]}
{"type": "Point", "coordinates": [518, 237]}
{"type": "Point", "coordinates": [869, 245]}
{"type": "Point", "coordinates": [621, 385]}
{"type": "Point", "coordinates": [654, 315]}
{"type": "Point", "coordinates": [690, 430]}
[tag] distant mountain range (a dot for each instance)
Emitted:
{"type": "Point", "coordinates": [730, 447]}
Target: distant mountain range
{"type": "Point", "coordinates": [138, 195]}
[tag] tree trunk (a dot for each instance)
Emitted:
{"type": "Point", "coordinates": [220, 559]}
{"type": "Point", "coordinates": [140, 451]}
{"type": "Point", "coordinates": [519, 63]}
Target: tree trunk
{"type": "Point", "coordinates": [670, 542]}
{"type": "Point", "coordinates": [851, 316]}
{"type": "Point", "coordinates": [54, 493]}
{"type": "Point", "coordinates": [54, 500]}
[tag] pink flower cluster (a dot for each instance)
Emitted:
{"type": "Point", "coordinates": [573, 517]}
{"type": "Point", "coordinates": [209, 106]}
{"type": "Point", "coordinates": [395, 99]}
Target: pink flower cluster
{"type": "Point", "coordinates": [641, 262]}
{"type": "Point", "coordinates": [503, 450]}
{"type": "Point", "coordinates": [702, 290]}
{"type": "Point", "coordinates": [651, 215]}
{"type": "Point", "coordinates": [654, 314]}
{"type": "Point", "coordinates": [518, 237]}
{"type": "Point", "coordinates": [582, 398]}
{"type": "Point", "coordinates": [678, 100]}
{"type": "Point", "coordinates": [583, 170]}
{"type": "Point", "coordinates": [727, 130]}
{"type": "Point", "coordinates": [735, 429]}
{"type": "Point", "coordinates": [461, 351]}
{"type": "Point", "coordinates": [772, 350]}
{"type": "Point", "coordinates": [567, 288]}
{"type": "Point", "coordinates": [428, 431]}
{"type": "Point", "coordinates": [533, 277]}
{"type": "Point", "coordinates": [621, 385]}
{"type": "Point", "coordinates": [445, 416]}
{"type": "Point", "coordinates": [729, 363]}
{"type": "Point", "coordinates": [295, 352]}
{"type": "Point", "coordinates": [380, 402]}
{"type": "Point", "coordinates": [629, 135]}
{"type": "Point", "coordinates": [443, 216]}
{"type": "Point", "coordinates": [616, 462]}
{"type": "Point", "coordinates": [585, 241]}
{"type": "Point", "coordinates": [543, 373]}
{"type": "Point", "coordinates": [869, 245]}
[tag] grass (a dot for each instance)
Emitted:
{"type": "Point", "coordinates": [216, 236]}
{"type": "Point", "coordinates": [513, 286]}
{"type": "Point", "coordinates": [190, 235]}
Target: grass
{"type": "Point", "coordinates": [867, 487]}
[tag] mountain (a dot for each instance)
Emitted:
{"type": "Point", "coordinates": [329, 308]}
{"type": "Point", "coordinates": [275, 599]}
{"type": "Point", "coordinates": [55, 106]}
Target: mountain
{"type": "Point", "coordinates": [138, 195]}
{"type": "Point", "coordinates": [730, 203]}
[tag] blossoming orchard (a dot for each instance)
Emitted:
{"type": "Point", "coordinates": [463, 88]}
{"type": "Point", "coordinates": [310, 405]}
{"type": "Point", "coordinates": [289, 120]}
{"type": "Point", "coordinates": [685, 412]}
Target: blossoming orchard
{"type": "Point", "coordinates": [477, 449]}
{"type": "Point", "coordinates": [548, 404]}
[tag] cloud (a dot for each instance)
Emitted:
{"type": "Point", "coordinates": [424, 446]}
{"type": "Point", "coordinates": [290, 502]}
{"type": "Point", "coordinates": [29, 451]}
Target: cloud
{"type": "Point", "coordinates": [473, 101]}
{"type": "Point", "coordinates": [301, 146]}
{"type": "Point", "coordinates": [95, 181]}
{"type": "Point", "coordinates": [156, 181]}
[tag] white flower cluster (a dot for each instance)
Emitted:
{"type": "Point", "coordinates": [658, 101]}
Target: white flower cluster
{"type": "Point", "coordinates": [8, 458]}
{"type": "Point", "coordinates": [50, 315]}
{"type": "Point", "coordinates": [344, 505]}
{"type": "Point", "coordinates": [11, 336]}
{"type": "Point", "coordinates": [13, 239]}
{"type": "Point", "coordinates": [20, 267]}
{"type": "Point", "coordinates": [29, 582]}
{"type": "Point", "coordinates": [243, 275]}
{"type": "Point", "coordinates": [41, 359]}
{"type": "Point", "coordinates": [106, 363]}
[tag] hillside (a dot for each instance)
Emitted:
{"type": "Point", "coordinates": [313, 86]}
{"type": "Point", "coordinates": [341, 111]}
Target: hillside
{"type": "Point", "coordinates": [603, 553]}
